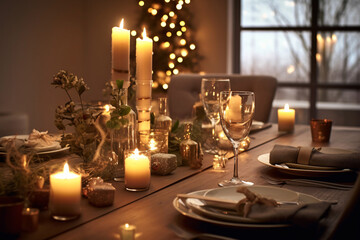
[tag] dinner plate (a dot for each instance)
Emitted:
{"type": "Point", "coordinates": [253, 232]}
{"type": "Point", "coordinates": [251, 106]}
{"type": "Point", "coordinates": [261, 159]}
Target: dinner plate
{"type": "Point", "coordinates": [55, 145]}
{"type": "Point", "coordinates": [257, 126]}
{"type": "Point", "coordinates": [182, 208]}
{"type": "Point", "coordinates": [46, 152]}
{"type": "Point", "coordinates": [265, 159]}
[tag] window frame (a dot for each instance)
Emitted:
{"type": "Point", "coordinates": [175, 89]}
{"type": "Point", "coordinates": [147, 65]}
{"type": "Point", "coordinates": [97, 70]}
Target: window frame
{"type": "Point", "coordinates": [314, 29]}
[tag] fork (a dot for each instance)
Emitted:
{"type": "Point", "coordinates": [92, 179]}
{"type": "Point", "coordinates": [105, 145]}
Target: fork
{"type": "Point", "coordinates": [190, 235]}
{"type": "Point", "coordinates": [308, 182]}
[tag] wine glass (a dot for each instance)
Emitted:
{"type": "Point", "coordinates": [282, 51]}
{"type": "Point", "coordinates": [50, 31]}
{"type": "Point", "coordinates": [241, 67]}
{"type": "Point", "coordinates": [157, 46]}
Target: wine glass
{"type": "Point", "coordinates": [236, 113]}
{"type": "Point", "coordinates": [210, 95]}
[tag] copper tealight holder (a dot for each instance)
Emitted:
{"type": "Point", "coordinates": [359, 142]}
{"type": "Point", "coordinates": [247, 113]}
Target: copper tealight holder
{"type": "Point", "coordinates": [320, 130]}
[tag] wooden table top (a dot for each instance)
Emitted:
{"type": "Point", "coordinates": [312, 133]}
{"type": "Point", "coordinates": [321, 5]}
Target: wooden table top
{"type": "Point", "coordinates": [152, 211]}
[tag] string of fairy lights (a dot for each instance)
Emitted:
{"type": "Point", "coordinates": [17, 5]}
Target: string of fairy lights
{"type": "Point", "coordinates": [172, 36]}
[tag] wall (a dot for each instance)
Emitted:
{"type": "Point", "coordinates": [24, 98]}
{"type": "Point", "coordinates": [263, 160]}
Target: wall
{"type": "Point", "coordinates": [40, 37]}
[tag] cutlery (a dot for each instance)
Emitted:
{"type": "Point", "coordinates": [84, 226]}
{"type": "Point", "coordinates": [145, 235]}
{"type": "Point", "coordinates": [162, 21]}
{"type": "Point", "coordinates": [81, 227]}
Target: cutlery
{"type": "Point", "coordinates": [189, 235]}
{"type": "Point", "coordinates": [307, 182]}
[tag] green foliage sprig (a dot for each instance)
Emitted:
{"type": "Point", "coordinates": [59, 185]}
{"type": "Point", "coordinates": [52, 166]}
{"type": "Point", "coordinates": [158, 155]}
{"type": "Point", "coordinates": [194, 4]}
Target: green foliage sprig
{"type": "Point", "coordinates": [120, 111]}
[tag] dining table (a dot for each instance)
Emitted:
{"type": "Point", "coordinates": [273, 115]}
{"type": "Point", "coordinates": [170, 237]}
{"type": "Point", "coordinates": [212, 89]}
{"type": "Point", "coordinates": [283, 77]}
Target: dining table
{"type": "Point", "coordinates": [153, 213]}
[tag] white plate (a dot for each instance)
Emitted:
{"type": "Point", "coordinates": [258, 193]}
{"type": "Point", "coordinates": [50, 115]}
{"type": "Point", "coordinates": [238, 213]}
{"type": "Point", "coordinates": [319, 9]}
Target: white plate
{"type": "Point", "coordinates": [46, 152]}
{"type": "Point", "coordinates": [55, 145]}
{"type": "Point", "coordinates": [265, 159]}
{"type": "Point", "coordinates": [180, 206]}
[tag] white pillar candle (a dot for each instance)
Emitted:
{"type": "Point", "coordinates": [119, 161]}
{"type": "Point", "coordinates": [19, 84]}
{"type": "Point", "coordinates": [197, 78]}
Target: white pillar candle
{"type": "Point", "coordinates": [65, 194]}
{"type": "Point", "coordinates": [137, 171]}
{"type": "Point", "coordinates": [144, 49]}
{"type": "Point", "coordinates": [127, 232]}
{"type": "Point", "coordinates": [120, 47]}
{"type": "Point", "coordinates": [286, 119]}
{"type": "Point", "coordinates": [233, 110]}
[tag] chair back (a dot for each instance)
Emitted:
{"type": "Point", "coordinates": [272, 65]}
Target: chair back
{"type": "Point", "coordinates": [14, 124]}
{"type": "Point", "coordinates": [184, 91]}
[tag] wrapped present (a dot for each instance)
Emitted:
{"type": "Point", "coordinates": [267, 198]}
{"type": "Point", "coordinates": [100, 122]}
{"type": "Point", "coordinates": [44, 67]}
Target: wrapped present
{"type": "Point", "coordinates": [163, 163]}
{"type": "Point", "coordinates": [99, 193]}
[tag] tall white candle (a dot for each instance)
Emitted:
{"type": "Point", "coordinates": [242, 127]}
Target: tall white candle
{"type": "Point", "coordinates": [120, 47]}
{"type": "Point", "coordinates": [65, 194]}
{"type": "Point", "coordinates": [137, 171]}
{"type": "Point", "coordinates": [144, 49]}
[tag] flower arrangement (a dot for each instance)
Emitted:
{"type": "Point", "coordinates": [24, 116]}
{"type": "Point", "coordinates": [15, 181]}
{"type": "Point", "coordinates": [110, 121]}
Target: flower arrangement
{"type": "Point", "coordinates": [81, 117]}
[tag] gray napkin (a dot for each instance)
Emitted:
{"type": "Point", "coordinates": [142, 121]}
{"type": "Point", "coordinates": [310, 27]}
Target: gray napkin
{"type": "Point", "coordinates": [289, 154]}
{"type": "Point", "coordinates": [302, 215]}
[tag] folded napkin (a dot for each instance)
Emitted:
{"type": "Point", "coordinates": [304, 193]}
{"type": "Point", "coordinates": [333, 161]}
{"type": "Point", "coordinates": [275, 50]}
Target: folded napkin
{"type": "Point", "coordinates": [309, 156]}
{"type": "Point", "coordinates": [266, 210]}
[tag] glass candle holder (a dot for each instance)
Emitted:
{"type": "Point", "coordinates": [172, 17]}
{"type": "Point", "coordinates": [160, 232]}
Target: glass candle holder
{"type": "Point", "coordinates": [320, 130]}
{"type": "Point", "coordinates": [127, 232]}
{"type": "Point", "coordinates": [30, 219]}
{"type": "Point", "coordinates": [155, 140]}
{"type": "Point", "coordinates": [137, 170]}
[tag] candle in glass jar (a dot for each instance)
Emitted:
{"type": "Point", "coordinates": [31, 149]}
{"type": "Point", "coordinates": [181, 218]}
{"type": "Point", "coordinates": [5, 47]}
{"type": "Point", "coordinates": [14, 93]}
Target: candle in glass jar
{"type": "Point", "coordinates": [286, 119]}
{"type": "Point", "coordinates": [65, 194]}
{"type": "Point", "coordinates": [137, 171]}
{"type": "Point", "coordinates": [127, 232]}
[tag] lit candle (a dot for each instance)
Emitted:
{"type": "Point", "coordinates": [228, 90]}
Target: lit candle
{"type": "Point", "coordinates": [127, 232]}
{"type": "Point", "coordinates": [30, 219]}
{"type": "Point", "coordinates": [137, 171]}
{"type": "Point", "coordinates": [65, 194]}
{"type": "Point", "coordinates": [153, 146]}
{"type": "Point", "coordinates": [120, 47]}
{"type": "Point", "coordinates": [144, 48]}
{"type": "Point", "coordinates": [286, 119]}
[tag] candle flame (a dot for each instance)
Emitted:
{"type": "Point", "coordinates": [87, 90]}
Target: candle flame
{"type": "Point", "coordinates": [122, 24]}
{"type": "Point", "coordinates": [286, 107]}
{"type": "Point", "coordinates": [144, 33]}
{"type": "Point", "coordinates": [136, 152]}
{"type": "Point", "coordinates": [66, 169]}
{"type": "Point", "coordinates": [127, 225]}
{"type": "Point", "coordinates": [107, 108]}
{"type": "Point", "coordinates": [152, 145]}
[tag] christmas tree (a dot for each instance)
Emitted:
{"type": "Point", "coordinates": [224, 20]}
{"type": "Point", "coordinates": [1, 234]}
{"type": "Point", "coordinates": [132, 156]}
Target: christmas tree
{"type": "Point", "coordinates": [169, 24]}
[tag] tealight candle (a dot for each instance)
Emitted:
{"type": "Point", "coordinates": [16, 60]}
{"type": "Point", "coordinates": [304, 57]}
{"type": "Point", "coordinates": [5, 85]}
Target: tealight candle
{"type": "Point", "coordinates": [137, 170]}
{"type": "Point", "coordinates": [65, 194]}
{"type": "Point", "coordinates": [286, 119]}
{"type": "Point", "coordinates": [30, 219]}
{"type": "Point", "coordinates": [127, 232]}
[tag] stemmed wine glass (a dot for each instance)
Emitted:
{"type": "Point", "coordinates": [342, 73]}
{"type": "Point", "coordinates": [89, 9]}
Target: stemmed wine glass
{"type": "Point", "coordinates": [210, 95]}
{"type": "Point", "coordinates": [236, 113]}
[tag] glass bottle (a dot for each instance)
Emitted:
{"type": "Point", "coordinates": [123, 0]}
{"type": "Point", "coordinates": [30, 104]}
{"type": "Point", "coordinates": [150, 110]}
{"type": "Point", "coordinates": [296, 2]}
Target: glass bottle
{"type": "Point", "coordinates": [189, 149]}
{"type": "Point", "coordinates": [163, 121]}
{"type": "Point", "coordinates": [122, 138]}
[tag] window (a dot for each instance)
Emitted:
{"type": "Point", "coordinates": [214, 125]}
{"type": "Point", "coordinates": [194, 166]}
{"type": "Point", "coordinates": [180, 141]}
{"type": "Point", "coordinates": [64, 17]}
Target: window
{"type": "Point", "coordinates": [311, 46]}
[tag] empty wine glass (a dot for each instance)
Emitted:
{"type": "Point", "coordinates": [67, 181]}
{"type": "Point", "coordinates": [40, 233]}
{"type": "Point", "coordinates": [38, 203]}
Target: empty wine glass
{"type": "Point", "coordinates": [210, 95]}
{"type": "Point", "coordinates": [236, 113]}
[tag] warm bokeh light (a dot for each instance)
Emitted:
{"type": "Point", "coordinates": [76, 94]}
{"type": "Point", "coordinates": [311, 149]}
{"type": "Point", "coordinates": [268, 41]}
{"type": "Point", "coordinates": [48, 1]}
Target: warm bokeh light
{"type": "Point", "coordinates": [163, 24]}
{"type": "Point", "coordinates": [141, 3]}
{"type": "Point", "coordinates": [183, 29]}
{"type": "Point", "coordinates": [154, 12]}
{"type": "Point", "coordinates": [171, 65]}
{"type": "Point", "coordinates": [165, 86]}
{"type": "Point", "coordinates": [168, 34]}
{"type": "Point", "coordinates": [180, 59]}
{"type": "Point", "coordinates": [179, 33]}
{"type": "Point", "coordinates": [178, 6]}
{"type": "Point", "coordinates": [192, 46]}
{"type": "Point", "coordinates": [182, 23]}
{"type": "Point", "coordinates": [318, 57]}
{"type": "Point", "coordinates": [172, 56]}
{"type": "Point", "coordinates": [171, 14]}
{"type": "Point", "coordinates": [187, 1]}
{"type": "Point", "coordinates": [168, 73]}
{"type": "Point", "coordinates": [176, 71]}
{"type": "Point", "coordinates": [166, 44]}
{"type": "Point", "coordinates": [290, 69]}
{"type": "Point", "coordinates": [334, 38]}
{"type": "Point", "coordinates": [133, 33]}
{"type": "Point", "coordinates": [172, 25]}
{"type": "Point", "coordinates": [165, 17]}
{"type": "Point", "coordinates": [184, 52]}
{"type": "Point", "coordinates": [183, 42]}
{"type": "Point", "coordinates": [156, 39]}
